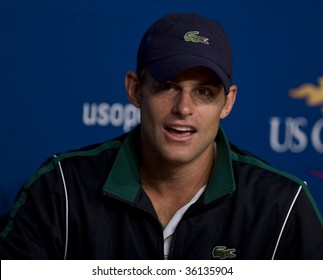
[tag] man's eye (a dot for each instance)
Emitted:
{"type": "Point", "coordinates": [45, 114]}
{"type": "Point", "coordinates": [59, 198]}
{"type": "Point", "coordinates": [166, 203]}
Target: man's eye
{"type": "Point", "coordinates": [167, 86]}
{"type": "Point", "coordinates": [203, 92]}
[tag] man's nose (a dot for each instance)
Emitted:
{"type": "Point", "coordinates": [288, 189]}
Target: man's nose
{"type": "Point", "coordinates": [183, 104]}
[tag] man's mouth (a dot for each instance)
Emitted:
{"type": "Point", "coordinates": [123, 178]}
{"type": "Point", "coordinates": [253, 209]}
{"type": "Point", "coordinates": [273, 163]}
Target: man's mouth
{"type": "Point", "coordinates": [179, 128]}
{"type": "Point", "coordinates": [180, 131]}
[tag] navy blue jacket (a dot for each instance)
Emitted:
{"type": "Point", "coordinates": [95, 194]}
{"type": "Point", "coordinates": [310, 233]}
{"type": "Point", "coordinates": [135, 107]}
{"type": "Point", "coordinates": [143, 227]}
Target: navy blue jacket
{"type": "Point", "coordinates": [89, 204]}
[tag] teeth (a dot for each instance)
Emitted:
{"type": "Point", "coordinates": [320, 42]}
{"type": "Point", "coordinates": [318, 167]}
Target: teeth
{"type": "Point", "coordinates": [182, 128]}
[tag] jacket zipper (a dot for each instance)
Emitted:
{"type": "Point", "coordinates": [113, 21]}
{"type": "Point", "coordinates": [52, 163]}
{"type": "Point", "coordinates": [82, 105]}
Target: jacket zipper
{"type": "Point", "coordinates": [149, 214]}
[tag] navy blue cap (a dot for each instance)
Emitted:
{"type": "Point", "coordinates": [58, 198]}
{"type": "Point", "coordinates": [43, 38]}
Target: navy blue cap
{"type": "Point", "coordinates": [177, 42]}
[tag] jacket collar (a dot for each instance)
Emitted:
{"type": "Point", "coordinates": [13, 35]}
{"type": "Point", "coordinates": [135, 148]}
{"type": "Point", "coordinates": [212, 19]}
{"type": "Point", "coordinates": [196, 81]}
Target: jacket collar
{"type": "Point", "coordinates": [123, 181]}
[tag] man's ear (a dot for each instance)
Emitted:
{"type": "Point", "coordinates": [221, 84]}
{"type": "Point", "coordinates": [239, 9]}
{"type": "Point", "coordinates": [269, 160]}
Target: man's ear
{"type": "Point", "coordinates": [231, 98]}
{"type": "Point", "coordinates": [133, 89]}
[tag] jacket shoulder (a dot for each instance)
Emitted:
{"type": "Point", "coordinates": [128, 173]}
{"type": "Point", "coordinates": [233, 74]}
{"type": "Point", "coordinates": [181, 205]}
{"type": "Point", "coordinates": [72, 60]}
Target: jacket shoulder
{"type": "Point", "coordinates": [92, 150]}
{"type": "Point", "coordinates": [252, 161]}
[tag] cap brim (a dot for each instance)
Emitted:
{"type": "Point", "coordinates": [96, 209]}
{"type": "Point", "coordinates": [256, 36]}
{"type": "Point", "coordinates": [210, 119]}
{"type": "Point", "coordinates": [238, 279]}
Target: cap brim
{"type": "Point", "coordinates": [166, 68]}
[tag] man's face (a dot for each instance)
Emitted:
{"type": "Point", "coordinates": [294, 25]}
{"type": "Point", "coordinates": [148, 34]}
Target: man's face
{"type": "Point", "coordinates": [180, 118]}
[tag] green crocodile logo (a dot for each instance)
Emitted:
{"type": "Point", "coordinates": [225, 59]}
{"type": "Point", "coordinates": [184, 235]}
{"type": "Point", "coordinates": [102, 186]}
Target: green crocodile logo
{"type": "Point", "coordinates": [222, 252]}
{"type": "Point", "coordinates": [192, 36]}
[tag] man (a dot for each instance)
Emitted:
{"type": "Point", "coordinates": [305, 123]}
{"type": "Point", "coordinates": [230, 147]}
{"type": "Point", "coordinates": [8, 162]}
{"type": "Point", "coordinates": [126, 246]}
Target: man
{"type": "Point", "coordinates": [173, 188]}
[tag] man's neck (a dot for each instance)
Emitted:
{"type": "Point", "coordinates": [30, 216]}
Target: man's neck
{"type": "Point", "coordinates": [171, 186]}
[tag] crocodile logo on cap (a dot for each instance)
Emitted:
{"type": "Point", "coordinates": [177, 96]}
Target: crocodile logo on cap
{"type": "Point", "coordinates": [192, 36]}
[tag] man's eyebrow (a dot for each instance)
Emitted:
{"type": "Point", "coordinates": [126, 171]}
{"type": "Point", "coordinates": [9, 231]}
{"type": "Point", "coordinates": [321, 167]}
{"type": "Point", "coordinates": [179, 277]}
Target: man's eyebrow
{"type": "Point", "coordinates": [212, 82]}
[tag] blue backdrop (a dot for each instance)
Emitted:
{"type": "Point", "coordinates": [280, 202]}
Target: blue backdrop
{"type": "Point", "coordinates": [62, 67]}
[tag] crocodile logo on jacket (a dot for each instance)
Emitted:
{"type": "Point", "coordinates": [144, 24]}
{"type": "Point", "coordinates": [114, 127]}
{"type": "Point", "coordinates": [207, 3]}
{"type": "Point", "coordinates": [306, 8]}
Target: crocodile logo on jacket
{"type": "Point", "coordinates": [222, 253]}
{"type": "Point", "coordinates": [192, 36]}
